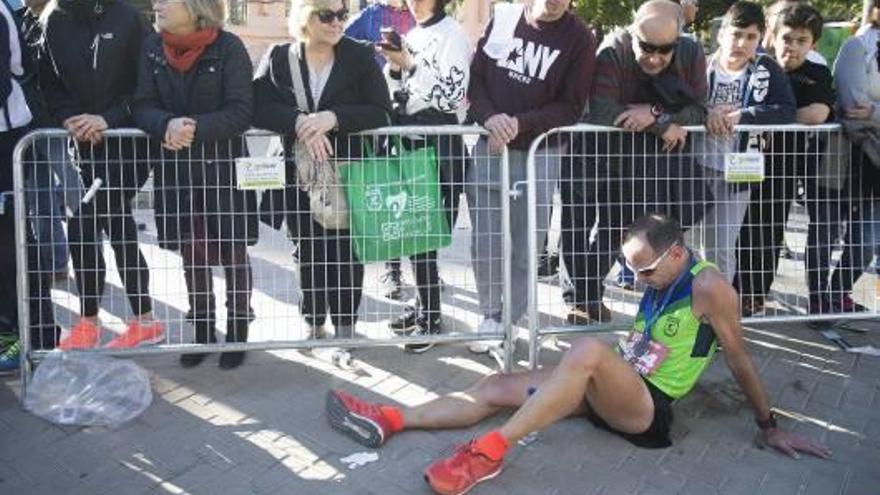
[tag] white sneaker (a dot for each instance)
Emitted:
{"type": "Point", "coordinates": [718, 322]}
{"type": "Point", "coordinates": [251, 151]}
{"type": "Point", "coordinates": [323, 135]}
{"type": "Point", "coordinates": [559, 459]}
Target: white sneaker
{"type": "Point", "coordinates": [488, 327]}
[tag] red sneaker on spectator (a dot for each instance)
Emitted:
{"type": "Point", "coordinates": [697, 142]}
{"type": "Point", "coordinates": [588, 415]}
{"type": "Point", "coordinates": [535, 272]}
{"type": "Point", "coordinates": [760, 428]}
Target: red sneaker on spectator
{"type": "Point", "coordinates": [138, 334]}
{"type": "Point", "coordinates": [83, 335]}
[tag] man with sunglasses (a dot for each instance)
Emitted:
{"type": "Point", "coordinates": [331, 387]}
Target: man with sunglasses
{"type": "Point", "coordinates": [687, 310]}
{"type": "Point", "coordinates": [650, 82]}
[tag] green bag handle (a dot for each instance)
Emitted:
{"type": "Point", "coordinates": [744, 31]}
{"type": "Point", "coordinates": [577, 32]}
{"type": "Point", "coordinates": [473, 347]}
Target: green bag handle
{"type": "Point", "coordinates": [367, 147]}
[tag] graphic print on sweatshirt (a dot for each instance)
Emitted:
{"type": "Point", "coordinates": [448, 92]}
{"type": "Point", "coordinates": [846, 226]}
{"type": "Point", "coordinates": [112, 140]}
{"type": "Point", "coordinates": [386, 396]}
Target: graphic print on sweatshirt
{"type": "Point", "coordinates": [448, 91]}
{"type": "Point", "coordinates": [528, 60]}
{"type": "Point", "coordinates": [729, 89]}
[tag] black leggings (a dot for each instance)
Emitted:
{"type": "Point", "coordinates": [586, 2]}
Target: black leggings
{"type": "Point", "coordinates": [453, 166]}
{"type": "Point", "coordinates": [109, 212]}
{"type": "Point", "coordinates": [43, 331]}
{"type": "Point", "coordinates": [199, 255]}
{"type": "Point", "coordinates": [331, 277]}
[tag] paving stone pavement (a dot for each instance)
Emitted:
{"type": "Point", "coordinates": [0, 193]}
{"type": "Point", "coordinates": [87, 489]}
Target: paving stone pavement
{"type": "Point", "coordinates": [261, 430]}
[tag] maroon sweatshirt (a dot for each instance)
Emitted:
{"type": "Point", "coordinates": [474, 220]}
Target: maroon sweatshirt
{"type": "Point", "coordinates": [544, 81]}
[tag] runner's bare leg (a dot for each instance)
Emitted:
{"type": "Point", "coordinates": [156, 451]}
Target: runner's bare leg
{"type": "Point", "coordinates": [486, 398]}
{"type": "Point", "coordinates": [593, 370]}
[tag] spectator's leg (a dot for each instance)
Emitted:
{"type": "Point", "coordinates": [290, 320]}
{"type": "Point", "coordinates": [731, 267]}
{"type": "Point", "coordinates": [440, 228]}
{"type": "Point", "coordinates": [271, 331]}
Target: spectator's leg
{"type": "Point", "coordinates": [345, 279]}
{"type": "Point", "coordinates": [722, 224]}
{"type": "Point", "coordinates": [546, 178]}
{"type": "Point", "coordinates": [484, 190]}
{"type": "Point", "coordinates": [313, 264]}
{"type": "Point", "coordinates": [578, 216]}
{"type": "Point", "coordinates": [858, 242]}
{"type": "Point", "coordinates": [132, 266]}
{"type": "Point", "coordinates": [88, 260]}
{"type": "Point", "coordinates": [45, 212]}
{"type": "Point", "coordinates": [239, 286]}
{"type": "Point", "coordinates": [603, 250]}
{"type": "Point", "coordinates": [826, 211]}
{"type": "Point", "coordinates": [200, 290]}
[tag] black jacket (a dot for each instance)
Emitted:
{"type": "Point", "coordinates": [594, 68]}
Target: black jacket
{"type": "Point", "coordinates": [88, 64]}
{"type": "Point", "coordinates": [217, 93]}
{"type": "Point", "coordinates": [355, 91]}
{"type": "Point", "coordinates": [89, 59]}
{"type": "Point", "coordinates": [32, 34]}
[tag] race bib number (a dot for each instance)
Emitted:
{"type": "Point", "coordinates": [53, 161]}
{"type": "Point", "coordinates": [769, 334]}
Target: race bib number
{"type": "Point", "coordinates": [744, 167]}
{"type": "Point", "coordinates": [644, 359]}
{"type": "Point", "coordinates": [260, 173]}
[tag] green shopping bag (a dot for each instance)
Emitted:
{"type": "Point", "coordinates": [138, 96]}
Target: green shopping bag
{"type": "Point", "coordinates": [394, 204]}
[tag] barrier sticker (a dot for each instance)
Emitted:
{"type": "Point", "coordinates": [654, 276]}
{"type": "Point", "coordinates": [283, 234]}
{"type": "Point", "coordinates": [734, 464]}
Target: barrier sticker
{"type": "Point", "coordinates": [260, 172]}
{"type": "Point", "coordinates": [744, 167]}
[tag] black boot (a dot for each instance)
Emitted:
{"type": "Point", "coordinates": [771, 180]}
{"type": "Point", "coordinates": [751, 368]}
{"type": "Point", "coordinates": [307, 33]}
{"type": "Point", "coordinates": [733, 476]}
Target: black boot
{"type": "Point", "coordinates": [236, 331]}
{"type": "Point", "coordinates": [204, 328]}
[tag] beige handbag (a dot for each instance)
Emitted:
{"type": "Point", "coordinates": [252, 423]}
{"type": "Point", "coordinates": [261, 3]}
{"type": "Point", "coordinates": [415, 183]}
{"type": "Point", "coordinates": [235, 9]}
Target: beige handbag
{"type": "Point", "coordinates": [319, 179]}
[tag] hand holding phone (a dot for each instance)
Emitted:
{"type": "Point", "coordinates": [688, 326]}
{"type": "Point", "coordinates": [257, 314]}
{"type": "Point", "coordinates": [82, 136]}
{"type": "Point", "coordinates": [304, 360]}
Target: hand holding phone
{"type": "Point", "coordinates": [390, 40]}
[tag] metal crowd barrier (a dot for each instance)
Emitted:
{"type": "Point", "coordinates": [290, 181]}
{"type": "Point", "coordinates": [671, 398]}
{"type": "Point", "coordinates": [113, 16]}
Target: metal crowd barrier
{"type": "Point", "coordinates": [788, 213]}
{"type": "Point", "coordinates": [805, 206]}
{"type": "Point", "coordinates": [177, 197]}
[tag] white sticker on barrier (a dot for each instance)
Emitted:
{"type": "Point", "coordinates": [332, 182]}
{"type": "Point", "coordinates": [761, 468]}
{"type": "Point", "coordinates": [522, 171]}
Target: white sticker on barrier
{"type": "Point", "coordinates": [260, 172]}
{"type": "Point", "coordinates": [744, 167]}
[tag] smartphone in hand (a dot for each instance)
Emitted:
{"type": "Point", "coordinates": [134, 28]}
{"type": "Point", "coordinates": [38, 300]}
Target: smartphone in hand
{"type": "Point", "coordinates": [390, 40]}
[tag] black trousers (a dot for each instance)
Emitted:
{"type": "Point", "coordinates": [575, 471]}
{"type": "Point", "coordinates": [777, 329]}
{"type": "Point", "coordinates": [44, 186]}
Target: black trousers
{"type": "Point", "coordinates": [331, 276]}
{"type": "Point", "coordinates": [611, 180]}
{"type": "Point", "coordinates": [829, 210]}
{"type": "Point", "coordinates": [43, 332]}
{"type": "Point", "coordinates": [762, 232]}
{"type": "Point", "coordinates": [199, 256]}
{"type": "Point", "coordinates": [108, 212]}
{"type": "Point", "coordinates": [858, 243]}
{"type": "Point", "coordinates": [453, 166]}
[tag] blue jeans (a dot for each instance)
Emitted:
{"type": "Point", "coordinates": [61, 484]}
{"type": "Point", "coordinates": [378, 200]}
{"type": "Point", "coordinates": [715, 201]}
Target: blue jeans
{"type": "Point", "coordinates": [49, 163]}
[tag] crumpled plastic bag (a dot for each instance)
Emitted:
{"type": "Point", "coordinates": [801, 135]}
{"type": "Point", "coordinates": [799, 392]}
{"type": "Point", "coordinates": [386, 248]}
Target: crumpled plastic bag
{"type": "Point", "coordinates": [88, 389]}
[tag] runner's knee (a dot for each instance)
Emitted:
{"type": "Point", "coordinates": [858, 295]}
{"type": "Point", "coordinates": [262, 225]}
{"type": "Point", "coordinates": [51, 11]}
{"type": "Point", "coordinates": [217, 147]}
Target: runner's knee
{"type": "Point", "coordinates": [584, 355]}
{"type": "Point", "coordinates": [493, 390]}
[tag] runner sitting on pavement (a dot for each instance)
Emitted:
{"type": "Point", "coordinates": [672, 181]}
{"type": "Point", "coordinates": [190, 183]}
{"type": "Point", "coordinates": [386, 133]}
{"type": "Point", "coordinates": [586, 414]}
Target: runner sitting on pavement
{"type": "Point", "coordinates": [629, 391]}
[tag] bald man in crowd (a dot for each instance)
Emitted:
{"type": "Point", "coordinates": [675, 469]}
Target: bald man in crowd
{"type": "Point", "coordinates": [650, 81]}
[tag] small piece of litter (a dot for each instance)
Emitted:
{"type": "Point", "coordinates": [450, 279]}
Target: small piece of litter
{"type": "Point", "coordinates": [865, 349]}
{"type": "Point", "coordinates": [529, 439]}
{"type": "Point", "coordinates": [359, 459]}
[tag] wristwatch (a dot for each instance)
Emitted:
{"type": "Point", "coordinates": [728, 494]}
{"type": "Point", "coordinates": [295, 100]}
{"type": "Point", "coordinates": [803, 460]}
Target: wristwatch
{"type": "Point", "coordinates": [766, 424]}
{"type": "Point", "coordinates": [656, 110]}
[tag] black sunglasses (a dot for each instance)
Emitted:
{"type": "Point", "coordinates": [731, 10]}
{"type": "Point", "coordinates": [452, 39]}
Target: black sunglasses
{"type": "Point", "coordinates": [326, 15]}
{"type": "Point", "coordinates": [650, 48]}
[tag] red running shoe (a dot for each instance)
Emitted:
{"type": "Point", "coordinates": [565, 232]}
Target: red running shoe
{"type": "Point", "coordinates": [83, 335]}
{"type": "Point", "coordinates": [359, 419]}
{"type": "Point", "coordinates": [459, 473]}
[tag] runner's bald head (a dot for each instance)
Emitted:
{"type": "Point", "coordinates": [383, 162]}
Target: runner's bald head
{"type": "Point", "coordinates": [658, 21]}
{"type": "Point", "coordinates": [660, 231]}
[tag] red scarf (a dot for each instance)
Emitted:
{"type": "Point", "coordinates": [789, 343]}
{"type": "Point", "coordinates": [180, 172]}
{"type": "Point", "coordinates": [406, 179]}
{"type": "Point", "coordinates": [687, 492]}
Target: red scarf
{"type": "Point", "coordinates": [183, 50]}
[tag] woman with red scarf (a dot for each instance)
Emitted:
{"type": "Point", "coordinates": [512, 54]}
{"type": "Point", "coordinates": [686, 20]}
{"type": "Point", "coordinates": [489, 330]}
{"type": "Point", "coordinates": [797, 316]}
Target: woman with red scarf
{"type": "Point", "coordinates": [194, 96]}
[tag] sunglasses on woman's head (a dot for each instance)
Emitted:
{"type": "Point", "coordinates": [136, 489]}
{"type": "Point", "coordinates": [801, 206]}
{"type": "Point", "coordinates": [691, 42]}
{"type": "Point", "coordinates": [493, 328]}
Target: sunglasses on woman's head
{"type": "Point", "coordinates": [651, 48]}
{"type": "Point", "coordinates": [326, 15]}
